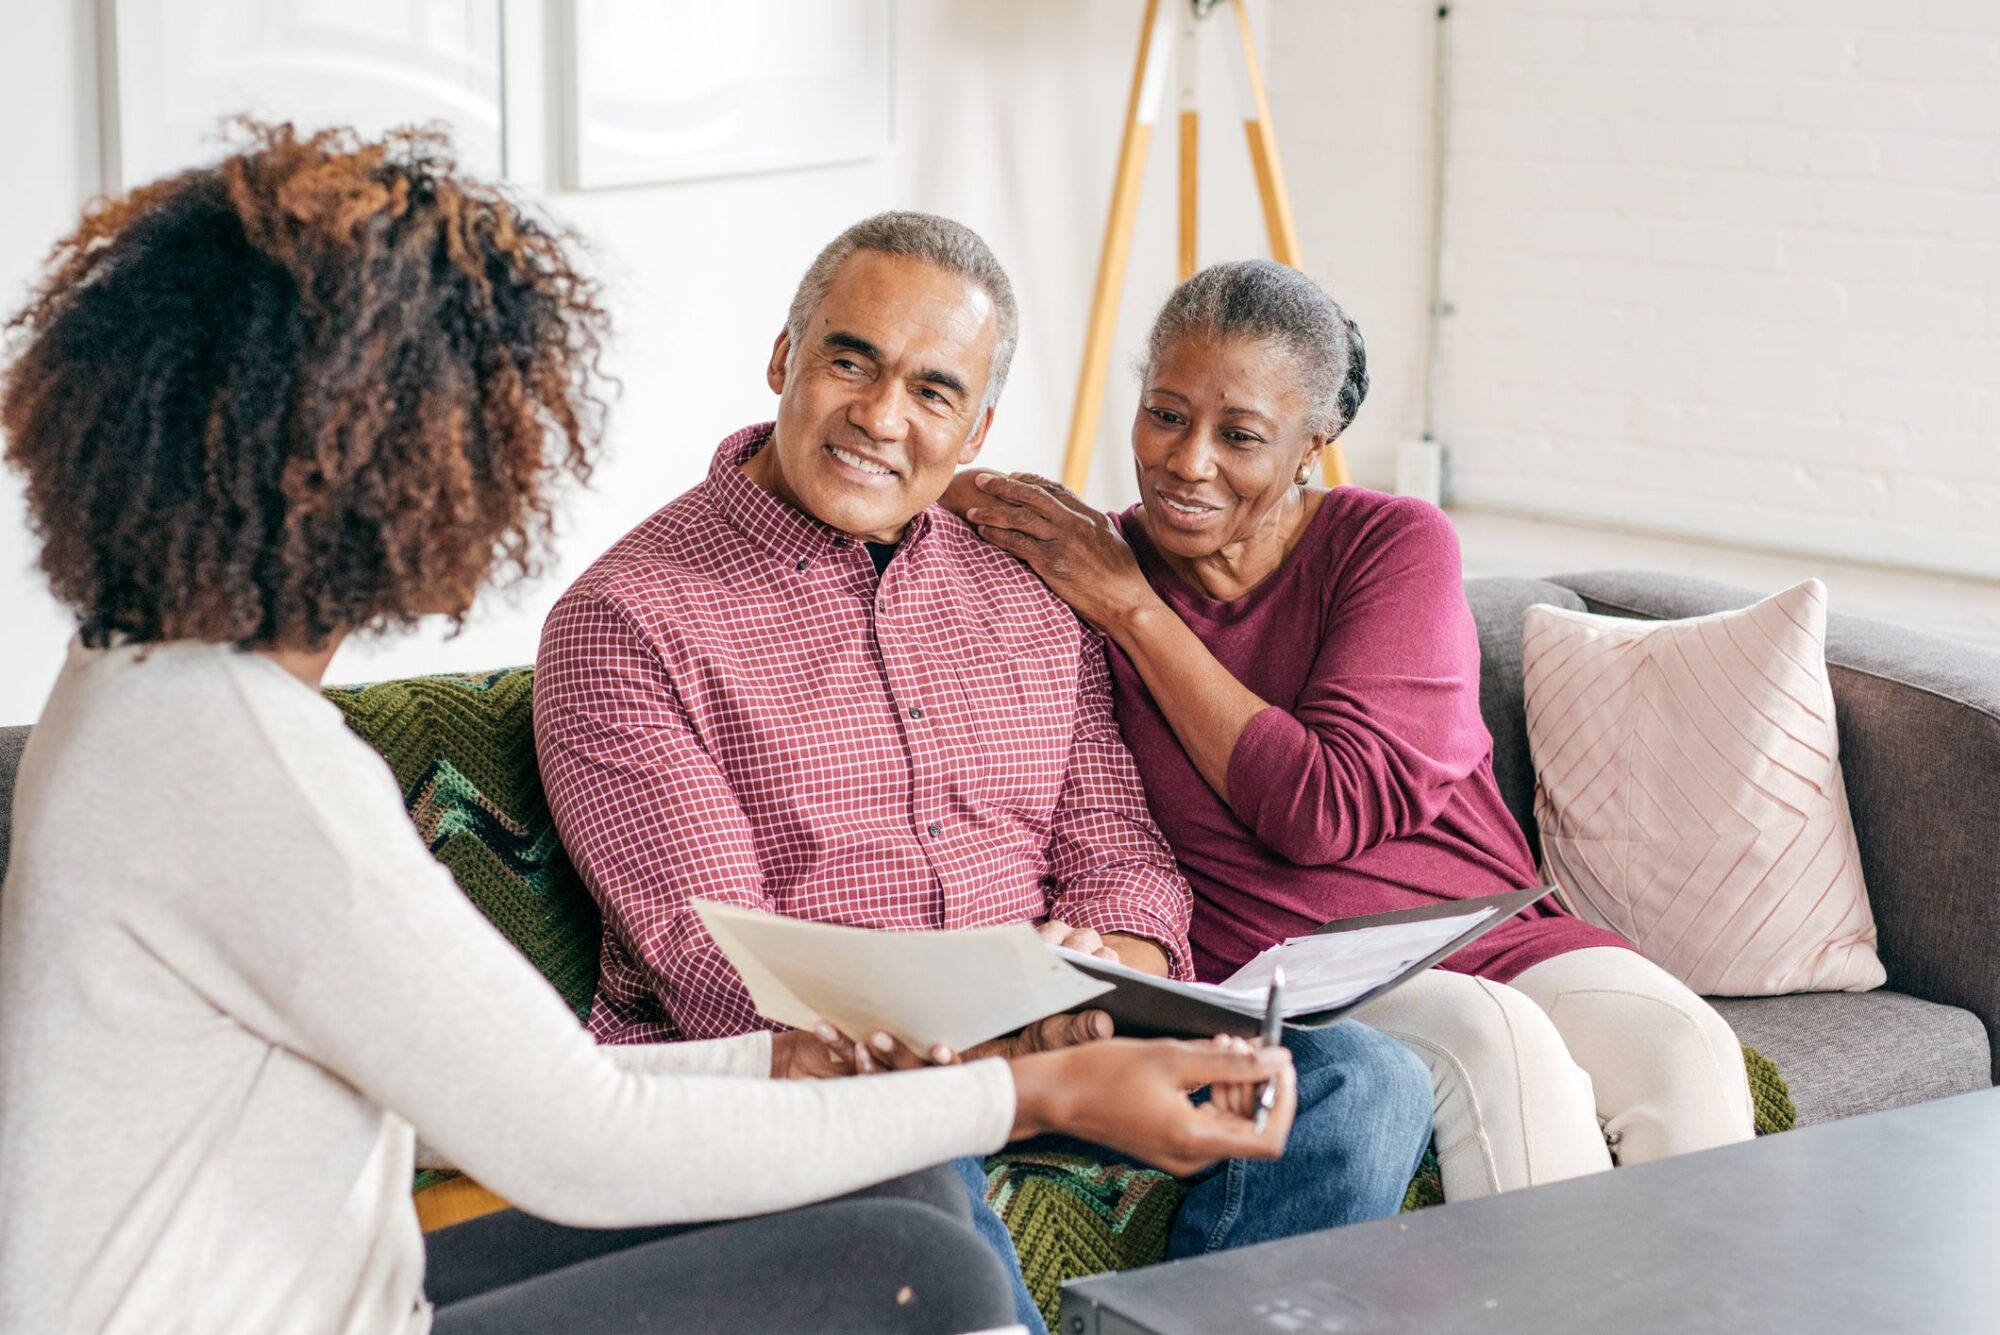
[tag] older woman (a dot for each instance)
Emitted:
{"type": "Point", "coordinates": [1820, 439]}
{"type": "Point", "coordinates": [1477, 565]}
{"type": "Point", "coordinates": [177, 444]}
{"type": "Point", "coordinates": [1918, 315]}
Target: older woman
{"type": "Point", "coordinates": [325, 387]}
{"type": "Point", "coordinates": [1297, 673]}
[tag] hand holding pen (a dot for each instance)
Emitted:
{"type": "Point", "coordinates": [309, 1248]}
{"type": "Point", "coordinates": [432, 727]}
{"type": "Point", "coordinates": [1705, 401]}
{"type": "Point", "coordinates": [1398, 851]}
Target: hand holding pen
{"type": "Point", "coordinates": [1274, 1030]}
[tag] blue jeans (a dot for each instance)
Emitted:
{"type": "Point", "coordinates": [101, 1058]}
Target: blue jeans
{"type": "Point", "coordinates": [986, 1222]}
{"type": "Point", "coordinates": [1363, 1124]}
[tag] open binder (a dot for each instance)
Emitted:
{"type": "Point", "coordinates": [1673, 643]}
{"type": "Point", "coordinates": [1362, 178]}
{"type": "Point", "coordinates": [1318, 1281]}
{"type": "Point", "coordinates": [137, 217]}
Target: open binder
{"type": "Point", "coordinates": [1142, 1006]}
{"type": "Point", "coordinates": [959, 988]}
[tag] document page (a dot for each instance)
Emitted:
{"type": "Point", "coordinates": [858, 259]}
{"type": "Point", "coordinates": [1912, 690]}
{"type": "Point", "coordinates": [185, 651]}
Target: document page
{"type": "Point", "coordinates": [926, 988]}
{"type": "Point", "coordinates": [1322, 971]}
{"type": "Point", "coordinates": [1333, 968]}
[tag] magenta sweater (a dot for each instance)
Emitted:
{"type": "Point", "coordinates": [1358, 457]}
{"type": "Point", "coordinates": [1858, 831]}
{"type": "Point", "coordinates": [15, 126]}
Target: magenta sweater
{"type": "Point", "coordinates": [1368, 785]}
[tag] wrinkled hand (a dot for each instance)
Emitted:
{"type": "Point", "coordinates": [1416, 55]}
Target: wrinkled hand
{"type": "Point", "coordinates": [1075, 549]}
{"type": "Point", "coordinates": [824, 1053]}
{"type": "Point", "coordinates": [1132, 1095]}
{"type": "Point", "coordinates": [1056, 932]}
{"type": "Point", "coordinates": [1056, 1032]}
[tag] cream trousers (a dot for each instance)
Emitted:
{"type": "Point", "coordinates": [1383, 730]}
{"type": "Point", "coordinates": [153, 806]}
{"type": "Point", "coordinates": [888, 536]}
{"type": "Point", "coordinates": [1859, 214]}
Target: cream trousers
{"type": "Point", "coordinates": [1592, 1056]}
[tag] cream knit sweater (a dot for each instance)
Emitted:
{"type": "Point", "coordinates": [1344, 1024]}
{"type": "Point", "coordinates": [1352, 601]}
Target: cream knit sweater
{"type": "Point", "coordinates": [232, 982]}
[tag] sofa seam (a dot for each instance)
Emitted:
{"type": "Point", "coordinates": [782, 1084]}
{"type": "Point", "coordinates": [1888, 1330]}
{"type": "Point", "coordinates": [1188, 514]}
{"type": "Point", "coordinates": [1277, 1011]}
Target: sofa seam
{"type": "Point", "coordinates": [1982, 710]}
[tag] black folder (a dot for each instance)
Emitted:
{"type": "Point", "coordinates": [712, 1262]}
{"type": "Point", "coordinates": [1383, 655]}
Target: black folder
{"type": "Point", "coordinates": [1140, 1009]}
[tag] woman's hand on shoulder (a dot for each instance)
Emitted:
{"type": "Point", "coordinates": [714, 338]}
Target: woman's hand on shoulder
{"type": "Point", "coordinates": [1132, 1095]}
{"type": "Point", "coordinates": [1075, 548]}
{"type": "Point", "coordinates": [964, 492]}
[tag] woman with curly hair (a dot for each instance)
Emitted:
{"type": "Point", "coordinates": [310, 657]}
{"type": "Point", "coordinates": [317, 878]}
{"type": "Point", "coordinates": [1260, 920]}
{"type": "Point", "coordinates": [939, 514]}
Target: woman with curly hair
{"type": "Point", "coordinates": [326, 387]}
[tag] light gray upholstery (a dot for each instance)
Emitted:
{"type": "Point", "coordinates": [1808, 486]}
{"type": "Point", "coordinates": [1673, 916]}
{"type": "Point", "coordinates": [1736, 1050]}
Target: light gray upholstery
{"type": "Point", "coordinates": [1920, 745]}
{"type": "Point", "coordinates": [1497, 605]}
{"type": "Point", "coordinates": [1844, 1053]}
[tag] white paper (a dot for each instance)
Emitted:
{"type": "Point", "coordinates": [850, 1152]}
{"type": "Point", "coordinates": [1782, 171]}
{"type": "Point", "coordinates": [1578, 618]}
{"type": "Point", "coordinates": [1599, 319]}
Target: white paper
{"type": "Point", "coordinates": [1330, 969]}
{"type": "Point", "coordinates": [926, 988]}
{"type": "Point", "coordinates": [1322, 971]}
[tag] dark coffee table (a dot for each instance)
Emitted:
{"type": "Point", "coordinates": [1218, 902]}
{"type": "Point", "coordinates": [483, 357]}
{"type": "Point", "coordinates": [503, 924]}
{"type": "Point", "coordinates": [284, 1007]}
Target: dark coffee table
{"type": "Point", "coordinates": [1889, 1222]}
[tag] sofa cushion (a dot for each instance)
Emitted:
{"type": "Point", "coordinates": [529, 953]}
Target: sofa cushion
{"type": "Point", "coordinates": [1844, 1053]}
{"type": "Point", "coordinates": [463, 751]}
{"type": "Point", "coordinates": [1497, 606]}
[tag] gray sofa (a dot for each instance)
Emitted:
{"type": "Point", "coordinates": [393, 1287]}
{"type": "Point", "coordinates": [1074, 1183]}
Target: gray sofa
{"type": "Point", "coordinates": [1920, 743]}
{"type": "Point", "coordinates": [1920, 734]}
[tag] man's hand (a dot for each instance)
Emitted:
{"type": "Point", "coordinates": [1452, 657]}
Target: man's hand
{"type": "Point", "coordinates": [826, 1053]}
{"type": "Point", "coordinates": [1058, 1031]}
{"type": "Point", "coordinates": [1082, 940]}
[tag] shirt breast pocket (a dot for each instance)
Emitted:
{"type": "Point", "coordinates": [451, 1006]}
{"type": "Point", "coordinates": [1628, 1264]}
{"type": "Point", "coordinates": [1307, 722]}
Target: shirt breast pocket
{"type": "Point", "coordinates": [1020, 706]}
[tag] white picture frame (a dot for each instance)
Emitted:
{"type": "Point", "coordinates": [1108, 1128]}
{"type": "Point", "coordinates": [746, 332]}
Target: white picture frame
{"type": "Point", "coordinates": [173, 70]}
{"type": "Point", "coordinates": [676, 90]}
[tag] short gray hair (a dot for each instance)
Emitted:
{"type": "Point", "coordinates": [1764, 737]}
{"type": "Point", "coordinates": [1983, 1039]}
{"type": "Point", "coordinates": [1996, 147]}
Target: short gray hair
{"type": "Point", "coordinates": [1265, 300]}
{"type": "Point", "coordinates": [951, 246]}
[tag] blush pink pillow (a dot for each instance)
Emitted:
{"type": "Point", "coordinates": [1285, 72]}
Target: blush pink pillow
{"type": "Point", "coordinates": [1689, 792]}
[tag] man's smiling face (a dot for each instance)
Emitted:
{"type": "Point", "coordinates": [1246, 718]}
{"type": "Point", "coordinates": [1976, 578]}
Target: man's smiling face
{"type": "Point", "coordinates": [883, 400]}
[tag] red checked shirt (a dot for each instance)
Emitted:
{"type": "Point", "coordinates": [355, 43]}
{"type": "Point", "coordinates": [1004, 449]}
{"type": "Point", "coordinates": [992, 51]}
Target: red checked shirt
{"type": "Point", "coordinates": [730, 704]}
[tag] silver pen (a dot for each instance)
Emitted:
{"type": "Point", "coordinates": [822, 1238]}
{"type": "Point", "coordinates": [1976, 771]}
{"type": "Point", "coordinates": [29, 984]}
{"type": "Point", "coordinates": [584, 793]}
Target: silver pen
{"type": "Point", "coordinates": [1274, 1029]}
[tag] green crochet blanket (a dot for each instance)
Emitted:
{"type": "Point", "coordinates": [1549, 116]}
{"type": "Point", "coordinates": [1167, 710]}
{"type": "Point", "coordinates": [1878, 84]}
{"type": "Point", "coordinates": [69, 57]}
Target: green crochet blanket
{"type": "Point", "coordinates": [463, 749]}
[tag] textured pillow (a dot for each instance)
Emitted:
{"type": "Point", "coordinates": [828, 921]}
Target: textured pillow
{"type": "Point", "coordinates": [1688, 788]}
{"type": "Point", "coordinates": [463, 750]}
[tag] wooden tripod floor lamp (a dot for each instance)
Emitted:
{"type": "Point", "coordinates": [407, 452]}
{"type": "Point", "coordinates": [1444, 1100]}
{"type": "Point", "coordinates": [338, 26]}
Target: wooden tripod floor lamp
{"type": "Point", "coordinates": [1171, 24]}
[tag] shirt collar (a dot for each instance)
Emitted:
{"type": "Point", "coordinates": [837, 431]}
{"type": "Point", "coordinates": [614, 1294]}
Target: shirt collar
{"type": "Point", "coordinates": [791, 536]}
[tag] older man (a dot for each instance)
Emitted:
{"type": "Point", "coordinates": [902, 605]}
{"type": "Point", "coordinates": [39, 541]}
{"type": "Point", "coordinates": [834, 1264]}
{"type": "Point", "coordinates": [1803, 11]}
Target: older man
{"type": "Point", "coordinates": [804, 688]}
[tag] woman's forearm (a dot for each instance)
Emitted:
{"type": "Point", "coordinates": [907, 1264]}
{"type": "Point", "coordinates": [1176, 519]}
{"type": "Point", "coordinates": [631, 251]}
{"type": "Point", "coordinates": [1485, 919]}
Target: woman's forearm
{"type": "Point", "coordinates": [1204, 704]}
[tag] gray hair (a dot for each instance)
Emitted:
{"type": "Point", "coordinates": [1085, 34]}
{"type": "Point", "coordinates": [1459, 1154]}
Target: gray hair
{"type": "Point", "coordinates": [951, 246]}
{"type": "Point", "coordinates": [1264, 300]}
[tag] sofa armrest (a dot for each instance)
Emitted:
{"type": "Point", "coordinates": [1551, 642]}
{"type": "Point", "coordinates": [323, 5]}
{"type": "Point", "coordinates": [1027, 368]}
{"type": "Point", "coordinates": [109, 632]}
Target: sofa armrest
{"type": "Point", "coordinates": [12, 742]}
{"type": "Point", "coordinates": [1920, 745]}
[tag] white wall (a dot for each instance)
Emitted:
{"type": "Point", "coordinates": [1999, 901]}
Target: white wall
{"type": "Point", "coordinates": [1725, 270]}
{"type": "Point", "coordinates": [47, 53]}
{"type": "Point", "coordinates": [1008, 118]}
{"type": "Point", "coordinates": [1731, 268]}
{"type": "Point", "coordinates": [1351, 95]}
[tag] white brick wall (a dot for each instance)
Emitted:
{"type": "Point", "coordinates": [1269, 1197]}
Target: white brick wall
{"type": "Point", "coordinates": [1730, 270]}
{"type": "Point", "coordinates": [1351, 96]}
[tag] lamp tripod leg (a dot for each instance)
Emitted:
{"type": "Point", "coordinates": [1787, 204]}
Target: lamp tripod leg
{"type": "Point", "coordinates": [1187, 64]}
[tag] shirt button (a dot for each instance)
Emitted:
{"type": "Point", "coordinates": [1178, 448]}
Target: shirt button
{"type": "Point", "coordinates": [935, 829]}
{"type": "Point", "coordinates": [803, 563]}
{"type": "Point", "coordinates": [916, 711]}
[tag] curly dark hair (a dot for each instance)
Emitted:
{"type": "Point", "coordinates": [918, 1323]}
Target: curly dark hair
{"type": "Point", "coordinates": [325, 385]}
